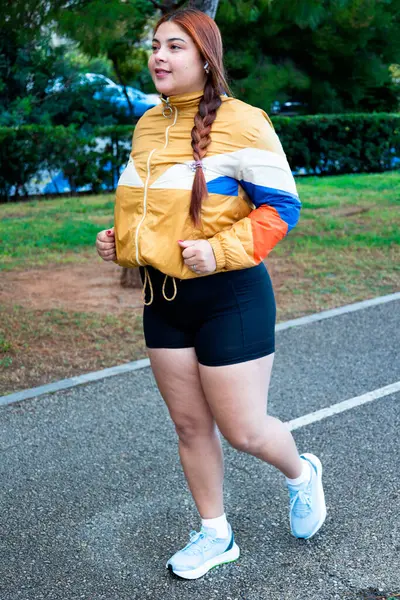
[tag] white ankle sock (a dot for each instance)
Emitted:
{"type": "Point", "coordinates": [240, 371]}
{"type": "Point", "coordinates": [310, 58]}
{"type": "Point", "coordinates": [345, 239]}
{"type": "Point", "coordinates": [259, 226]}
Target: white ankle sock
{"type": "Point", "coordinates": [220, 524]}
{"type": "Point", "coordinates": [305, 475]}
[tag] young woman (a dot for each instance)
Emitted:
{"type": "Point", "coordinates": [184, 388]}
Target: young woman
{"type": "Point", "coordinates": [206, 194]}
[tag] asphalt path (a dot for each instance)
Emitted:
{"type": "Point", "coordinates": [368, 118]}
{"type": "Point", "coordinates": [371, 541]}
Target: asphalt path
{"type": "Point", "coordinates": [93, 500]}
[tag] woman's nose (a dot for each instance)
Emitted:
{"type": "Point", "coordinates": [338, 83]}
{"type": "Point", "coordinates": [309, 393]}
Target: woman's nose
{"type": "Point", "coordinates": [160, 55]}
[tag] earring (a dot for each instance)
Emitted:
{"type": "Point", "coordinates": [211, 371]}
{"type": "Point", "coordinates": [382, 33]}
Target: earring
{"type": "Point", "coordinates": [207, 70]}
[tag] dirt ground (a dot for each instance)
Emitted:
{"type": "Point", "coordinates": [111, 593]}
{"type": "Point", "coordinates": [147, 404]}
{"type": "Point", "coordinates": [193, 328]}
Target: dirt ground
{"type": "Point", "coordinates": [60, 321]}
{"type": "Point", "coordinates": [93, 286]}
{"type": "Point", "coordinates": [93, 322]}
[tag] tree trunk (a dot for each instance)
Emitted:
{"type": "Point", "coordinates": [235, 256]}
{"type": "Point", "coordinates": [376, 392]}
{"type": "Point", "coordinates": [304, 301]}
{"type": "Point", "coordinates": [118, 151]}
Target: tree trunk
{"type": "Point", "coordinates": [122, 82]}
{"type": "Point", "coordinates": [207, 6]}
{"type": "Point", "coordinates": [168, 5]}
{"type": "Point", "coordinates": [130, 278]}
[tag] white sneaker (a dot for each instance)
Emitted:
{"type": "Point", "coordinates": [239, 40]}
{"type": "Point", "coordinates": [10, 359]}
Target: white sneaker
{"type": "Point", "coordinates": [203, 552]}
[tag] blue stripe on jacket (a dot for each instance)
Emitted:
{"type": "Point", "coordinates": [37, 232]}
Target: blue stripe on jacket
{"type": "Point", "coordinates": [286, 204]}
{"type": "Point", "coordinates": [227, 186]}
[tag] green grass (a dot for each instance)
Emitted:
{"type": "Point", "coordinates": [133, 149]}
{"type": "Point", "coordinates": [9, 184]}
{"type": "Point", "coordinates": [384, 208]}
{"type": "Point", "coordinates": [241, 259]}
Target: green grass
{"type": "Point", "coordinates": [344, 249]}
{"type": "Point", "coordinates": [59, 206]}
{"type": "Point", "coordinates": [63, 230]}
{"type": "Point", "coordinates": [325, 201]}
{"type": "Point", "coordinates": [56, 231]}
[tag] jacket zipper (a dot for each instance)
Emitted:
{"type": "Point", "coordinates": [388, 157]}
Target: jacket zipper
{"type": "Point", "coordinates": [147, 183]}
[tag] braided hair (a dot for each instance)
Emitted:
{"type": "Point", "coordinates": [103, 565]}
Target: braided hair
{"type": "Point", "coordinates": [207, 37]}
{"type": "Point", "coordinates": [208, 106]}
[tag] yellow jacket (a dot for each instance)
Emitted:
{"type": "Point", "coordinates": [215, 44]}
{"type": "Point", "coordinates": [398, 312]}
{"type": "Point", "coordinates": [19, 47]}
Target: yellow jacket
{"type": "Point", "coordinates": [252, 199]}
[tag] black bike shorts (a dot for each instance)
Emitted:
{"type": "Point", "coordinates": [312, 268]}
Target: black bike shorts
{"type": "Point", "coordinates": [227, 318]}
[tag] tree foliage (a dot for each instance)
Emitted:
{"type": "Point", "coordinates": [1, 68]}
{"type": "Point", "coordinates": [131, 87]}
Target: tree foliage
{"type": "Point", "coordinates": [333, 56]}
{"type": "Point", "coordinates": [33, 59]}
{"type": "Point", "coordinates": [118, 29]}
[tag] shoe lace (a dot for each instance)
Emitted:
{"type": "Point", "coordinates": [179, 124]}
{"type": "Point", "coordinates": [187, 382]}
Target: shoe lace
{"type": "Point", "coordinates": [300, 501]}
{"type": "Point", "coordinates": [196, 544]}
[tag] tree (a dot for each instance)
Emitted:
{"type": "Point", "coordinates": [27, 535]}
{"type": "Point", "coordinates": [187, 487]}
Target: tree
{"type": "Point", "coordinates": [34, 63]}
{"type": "Point", "coordinates": [207, 6]}
{"type": "Point", "coordinates": [167, 5]}
{"type": "Point", "coordinates": [116, 29]}
{"type": "Point", "coordinates": [113, 29]}
{"type": "Point", "coordinates": [333, 56]}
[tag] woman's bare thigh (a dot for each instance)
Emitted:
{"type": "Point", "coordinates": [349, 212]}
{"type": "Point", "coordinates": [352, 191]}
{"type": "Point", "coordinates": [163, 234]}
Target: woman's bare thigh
{"type": "Point", "coordinates": [238, 395]}
{"type": "Point", "coordinates": [176, 371]}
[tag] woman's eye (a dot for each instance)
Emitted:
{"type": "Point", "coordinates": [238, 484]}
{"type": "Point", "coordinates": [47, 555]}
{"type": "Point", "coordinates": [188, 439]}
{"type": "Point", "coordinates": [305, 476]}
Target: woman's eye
{"type": "Point", "coordinates": [173, 46]}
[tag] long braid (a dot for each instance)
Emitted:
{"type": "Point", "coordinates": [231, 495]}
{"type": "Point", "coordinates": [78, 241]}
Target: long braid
{"type": "Point", "coordinates": [207, 37]}
{"type": "Point", "coordinates": [201, 139]}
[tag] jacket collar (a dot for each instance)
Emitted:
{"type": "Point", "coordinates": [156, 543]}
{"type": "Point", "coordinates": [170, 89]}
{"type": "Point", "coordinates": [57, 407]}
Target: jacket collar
{"type": "Point", "coordinates": [190, 99]}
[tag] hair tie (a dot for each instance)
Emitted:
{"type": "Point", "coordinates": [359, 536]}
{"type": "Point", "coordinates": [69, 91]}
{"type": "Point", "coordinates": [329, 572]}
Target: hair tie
{"type": "Point", "coordinates": [197, 164]}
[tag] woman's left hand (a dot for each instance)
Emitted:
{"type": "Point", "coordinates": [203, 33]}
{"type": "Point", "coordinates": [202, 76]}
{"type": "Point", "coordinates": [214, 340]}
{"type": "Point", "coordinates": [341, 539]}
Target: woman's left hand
{"type": "Point", "coordinates": [199, 253]}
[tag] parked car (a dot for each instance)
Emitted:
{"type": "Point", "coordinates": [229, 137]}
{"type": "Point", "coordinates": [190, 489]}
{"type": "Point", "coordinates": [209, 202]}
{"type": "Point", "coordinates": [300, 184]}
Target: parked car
{"type": "Point", "coordinates": [106, 89]}
{"type": "Point", "coordinates": [115, 93]}
{"type": "Point", "coordinates": [288, 109]}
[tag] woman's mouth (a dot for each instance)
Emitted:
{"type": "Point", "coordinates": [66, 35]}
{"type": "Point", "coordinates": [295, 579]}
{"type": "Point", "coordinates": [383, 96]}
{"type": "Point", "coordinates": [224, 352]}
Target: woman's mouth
{"type": "Point", "coordinates": [161, 73]}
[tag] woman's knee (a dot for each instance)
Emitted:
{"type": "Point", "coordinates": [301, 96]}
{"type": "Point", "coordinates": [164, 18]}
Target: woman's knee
{"type": "Point", "coordinates": [249, 441]}
{"type": "Point", "coordinates": [190, 430]}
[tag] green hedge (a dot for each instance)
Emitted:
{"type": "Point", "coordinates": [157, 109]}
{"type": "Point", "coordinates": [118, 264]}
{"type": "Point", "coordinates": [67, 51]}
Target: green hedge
{"type": "Point", "coordinates": [27, 150]}
{"type": "Point", "coordinates": [320, 144]}
{"type": "Point", "coordinates": [336, 144]}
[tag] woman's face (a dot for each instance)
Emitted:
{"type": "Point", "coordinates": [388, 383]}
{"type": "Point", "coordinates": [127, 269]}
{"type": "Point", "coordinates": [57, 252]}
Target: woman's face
{"type": "Point", "coordinates": [176, 66]}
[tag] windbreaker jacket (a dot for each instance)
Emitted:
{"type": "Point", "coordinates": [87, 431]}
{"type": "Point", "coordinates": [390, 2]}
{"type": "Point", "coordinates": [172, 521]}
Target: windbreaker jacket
{"type": "Point", "coordinates": [252, 199]}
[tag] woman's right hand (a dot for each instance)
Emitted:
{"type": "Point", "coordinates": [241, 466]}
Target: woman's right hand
{"type": "Point", "coordinates": [105, 244]}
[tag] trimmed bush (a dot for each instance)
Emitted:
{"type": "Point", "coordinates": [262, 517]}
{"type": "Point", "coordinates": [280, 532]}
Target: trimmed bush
{"type": "Point", "coordinates": [317, 144]}
{"type": "Point", "coordinates": [87, 159]}
{"type": "Point", "coordinates": [339, 144]}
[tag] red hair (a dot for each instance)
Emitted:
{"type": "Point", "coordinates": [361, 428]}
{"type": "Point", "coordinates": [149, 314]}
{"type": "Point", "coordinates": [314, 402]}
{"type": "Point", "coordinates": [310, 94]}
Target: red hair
{"type": "Point", "coordinates": [207, 38]}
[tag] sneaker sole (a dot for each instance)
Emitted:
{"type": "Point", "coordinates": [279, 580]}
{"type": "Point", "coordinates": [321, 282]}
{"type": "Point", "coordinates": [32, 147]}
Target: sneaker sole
{"type": "Point", "coordinates": [221, 559]}
{"type": "Point", "coordinates": [320, 491]}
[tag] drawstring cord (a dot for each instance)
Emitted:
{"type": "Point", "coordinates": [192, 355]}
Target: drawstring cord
{"type": "Point", "coordinates": [147, 279]}
{"type": "Point", "coordinates": [163, 289]}
{"type": "Point", "coordinates": [167, 112]}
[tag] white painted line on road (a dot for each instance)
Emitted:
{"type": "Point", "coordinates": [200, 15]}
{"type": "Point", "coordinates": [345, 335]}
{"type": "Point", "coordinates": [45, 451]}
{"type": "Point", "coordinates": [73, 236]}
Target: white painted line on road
{"type": "Point", "coordinates": [335, 409]}
{"type": "Point", "coordinates": [334, 312]}
{"type": "Point", "coordinates": [145, 362]}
